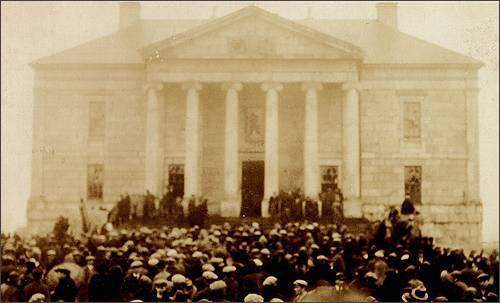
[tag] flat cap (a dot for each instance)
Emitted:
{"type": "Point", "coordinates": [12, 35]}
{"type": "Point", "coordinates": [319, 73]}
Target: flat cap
{"type": "Point", "coordinates": [228, 269]}
{"type": "Point", "coordinates": [218, 285]}
{"type": "Point", "coordinates": [271, 280]}
{"type": "Point", "coordinates": [209, 275]}
{"type": "Point", "coordinates": [178, 279]}
{"type": "Point", "coordinates": [300, 282]}
{"type": "Point", "coordinates": [253, 298]}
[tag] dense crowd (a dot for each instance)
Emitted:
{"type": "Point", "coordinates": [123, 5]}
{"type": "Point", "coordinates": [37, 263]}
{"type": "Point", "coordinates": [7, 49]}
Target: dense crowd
{"type": "Point", "coordinates": [301, 261]}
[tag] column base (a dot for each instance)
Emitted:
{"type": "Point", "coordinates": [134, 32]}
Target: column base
{"type": "Point", "coordinates": [230, 208]}
{"type": "Point", "coordinates": [353, 208]}
{"type": "Point", "coordinates": [265, 208]}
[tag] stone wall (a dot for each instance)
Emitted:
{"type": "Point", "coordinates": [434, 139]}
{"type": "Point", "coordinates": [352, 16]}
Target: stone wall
{"type": "Point", "coordinates": [62, 147]}
{"type": "Point", "coordinates": [442, 151]}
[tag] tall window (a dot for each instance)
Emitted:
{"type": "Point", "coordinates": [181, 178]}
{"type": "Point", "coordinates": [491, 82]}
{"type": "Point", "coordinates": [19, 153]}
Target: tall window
{"type": "Point", "coordinates": [413, 183]}
{"type": "Point", "coordinates": [411, 117]}
{"type": "Point", "coordinates": [97, 120]}
{"type": "Point", "coordinates": [94, 181]}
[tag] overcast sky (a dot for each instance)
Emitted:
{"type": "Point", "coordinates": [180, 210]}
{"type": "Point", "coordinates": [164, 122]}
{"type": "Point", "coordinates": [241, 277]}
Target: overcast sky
{"type": "Point", "coordinates": [32, 30]}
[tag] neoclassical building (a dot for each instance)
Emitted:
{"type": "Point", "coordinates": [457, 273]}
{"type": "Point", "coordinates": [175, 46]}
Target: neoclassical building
{"type": "Point", "coordinates": [239, 107]}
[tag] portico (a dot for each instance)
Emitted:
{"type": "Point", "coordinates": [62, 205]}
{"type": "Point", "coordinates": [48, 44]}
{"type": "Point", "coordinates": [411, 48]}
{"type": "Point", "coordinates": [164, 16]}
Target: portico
{"type": "Point", "coordinates": [306, 93]}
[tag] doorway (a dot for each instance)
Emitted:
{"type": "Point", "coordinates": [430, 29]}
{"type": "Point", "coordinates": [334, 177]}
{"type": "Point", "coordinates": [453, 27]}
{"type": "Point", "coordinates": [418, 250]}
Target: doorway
{"type": "Point", "coordinates": [252, 188]}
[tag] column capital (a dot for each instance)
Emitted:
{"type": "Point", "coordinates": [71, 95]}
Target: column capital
{"type": "Point", "coordinates": [351, 85]}
{"type": "Point", "coordinates": [237, 86]}
{"type": "Point", "coordinates": [317, 86]}
{"type": "Point", "coordinates": [271, 86]}
{"type": "Point", "coordinates": [192, 85]}
{"type": "Point", "coordinates": [156, 86]}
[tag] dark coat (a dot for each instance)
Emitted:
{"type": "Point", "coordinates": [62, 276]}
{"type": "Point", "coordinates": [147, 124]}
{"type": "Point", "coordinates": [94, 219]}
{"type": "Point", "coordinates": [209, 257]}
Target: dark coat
{"type": "Point", "coordinates": [66, 290]}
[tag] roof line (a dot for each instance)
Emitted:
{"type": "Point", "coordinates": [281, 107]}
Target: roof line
{"type": "Point", "coordinates": [213, 24]}
{"type": "Point", "coordinates": [477, 62]}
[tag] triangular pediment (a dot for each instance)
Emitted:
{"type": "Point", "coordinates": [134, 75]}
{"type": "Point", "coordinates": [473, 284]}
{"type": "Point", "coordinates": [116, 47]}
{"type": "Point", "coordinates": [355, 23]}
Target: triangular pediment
{"type": "Point", "coordinates": [251, 33]}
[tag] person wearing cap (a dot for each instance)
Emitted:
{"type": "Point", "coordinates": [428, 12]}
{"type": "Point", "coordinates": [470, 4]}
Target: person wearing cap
{"type": "Point", "coordinates": [136, 284]}
{"type": "Point", "coordinates": [252, 281]}
{"type": "Point", "coordinates": [407, 207]}
{"type": "Point", "coordinates": [230, 278]}
{"type": "Point", "coordinates": [36, 286]}
{"type": "Point", "coordinates": [66, 289]}
{"type": "Point", "coordinates": [299, 290]}
{"type": "Point", "coordinates": [99, 285]}
{"type": "Point", "coordinates": [270, 288]}
{"type": "Point", "coordinates": [214, 291]}
{"type": "Point", "coordinates": [320, 271]}
{"type": "Point", "coordinates": [27, 276]}
{"type": "Point", "coordinates": [161, 290]}
{"type": "Point", "coordinates": [181, 289]}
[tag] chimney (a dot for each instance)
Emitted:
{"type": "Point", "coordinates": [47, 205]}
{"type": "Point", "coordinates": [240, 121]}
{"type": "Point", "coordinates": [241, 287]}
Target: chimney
{"type": "Point", "coordinates": [387, 13]}
{"type": "Point", "coordinates": [130, 13]}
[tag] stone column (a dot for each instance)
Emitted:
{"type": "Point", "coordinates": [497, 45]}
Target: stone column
{"type": "Point", "coordinates": [153, 154]}
{"type": "Point", "coordinates": [351, 150]}
{"type": "Point", "coordinates": [231, 205]}
{"type": "Point", "coordinates": [311, 163]}
{"type": "Point", "coordinates": [271, 145]}
{"type": "Point", "coordinates": [192, 146]}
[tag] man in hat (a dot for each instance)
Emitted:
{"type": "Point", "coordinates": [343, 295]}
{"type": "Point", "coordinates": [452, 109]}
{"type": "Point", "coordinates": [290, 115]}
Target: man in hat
{"type": "Point", "coordinates": [204, 285]}
{"type": "Point", "coordinates": [98, 285]}
{"type": "Point", "coordinates": [192, 211]}
{"type": "Point", "coordinates": [218, 291]}
{"type": "Point", "coordinates": [231, 280]}
{"type": "Point", "coordinates": [407, 207]}
{"type": "Point", "coordinates": [299, 290]}
{"type": "Point", "coordinates": [161, 288]}
{"type": "Point", "coordinates": [36, 286]}
{"type": "Point", "coordinates": [136, 284]}
{"type": "Point", "coordinates": [273, 207]}
{"type": "Point", "coordinates": [149, 205]}
{"type": "Point", "coordinates": [270, 288]}
{"type": "Point", "coordinates": [181, 290]}
{"type": "Point", "coordinates": [66, 289]}
{"type": "Point", "coordinates": [252, 281]}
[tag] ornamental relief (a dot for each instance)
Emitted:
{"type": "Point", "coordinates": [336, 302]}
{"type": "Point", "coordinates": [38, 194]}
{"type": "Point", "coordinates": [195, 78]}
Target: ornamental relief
{"type": "Point", "coordinates": [253, 129]}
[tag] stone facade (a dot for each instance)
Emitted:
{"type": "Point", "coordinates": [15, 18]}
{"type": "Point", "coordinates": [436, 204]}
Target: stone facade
{"type": "Point", "coordinates": [369, 120]}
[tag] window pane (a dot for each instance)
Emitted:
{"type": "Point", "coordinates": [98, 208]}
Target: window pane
{"type": "Point", "coordinates": [411, 114]}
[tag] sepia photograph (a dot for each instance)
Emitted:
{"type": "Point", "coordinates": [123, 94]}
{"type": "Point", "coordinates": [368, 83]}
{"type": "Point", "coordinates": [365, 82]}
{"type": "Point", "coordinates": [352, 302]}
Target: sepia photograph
{"type": "Point", "coordinates": [249, 151]}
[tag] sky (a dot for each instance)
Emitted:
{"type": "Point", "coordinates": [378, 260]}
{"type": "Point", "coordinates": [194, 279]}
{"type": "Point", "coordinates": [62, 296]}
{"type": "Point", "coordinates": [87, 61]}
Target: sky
{"type": "Point", "coordinates": [31, 30]}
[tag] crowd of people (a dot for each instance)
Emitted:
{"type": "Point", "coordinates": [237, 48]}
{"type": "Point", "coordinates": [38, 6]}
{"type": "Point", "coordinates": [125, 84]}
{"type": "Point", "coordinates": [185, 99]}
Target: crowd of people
{"type": "Point", "coordinates": [169, 207]}
{"type": "Point", "coordinates": [283, 207]}
{"type": "Point", "coordinates": [296, 261]}
{"type": "Point", "coordinates": [295, 206]}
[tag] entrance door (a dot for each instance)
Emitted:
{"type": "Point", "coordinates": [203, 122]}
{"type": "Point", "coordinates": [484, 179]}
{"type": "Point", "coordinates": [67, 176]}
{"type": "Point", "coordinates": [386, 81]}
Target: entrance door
{"type": "Point", "coordinates": [176, 179]}
{"type": "Point", "coordinates": [252, 188]}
